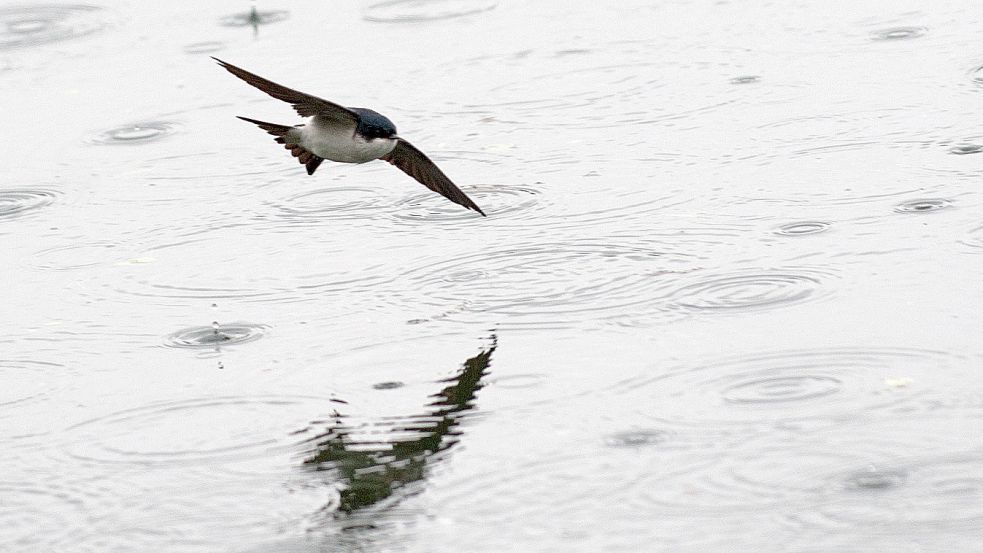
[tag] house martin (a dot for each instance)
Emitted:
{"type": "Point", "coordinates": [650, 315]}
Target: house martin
{"type": "Point", "coordinates": [347, 135]}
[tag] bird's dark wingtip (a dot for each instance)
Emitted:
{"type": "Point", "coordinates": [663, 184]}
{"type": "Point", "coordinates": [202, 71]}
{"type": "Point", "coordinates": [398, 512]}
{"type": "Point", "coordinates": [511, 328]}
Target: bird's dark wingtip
{"type": "Point", "coordinates": [478, 209]}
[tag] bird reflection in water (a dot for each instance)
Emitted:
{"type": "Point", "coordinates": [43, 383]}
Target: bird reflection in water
{"type": "Point", "coordinates": [371, 471]}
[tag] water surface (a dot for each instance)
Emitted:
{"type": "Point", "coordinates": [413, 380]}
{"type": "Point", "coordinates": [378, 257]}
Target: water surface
{"type": "Point", "coordinates": [726, 297]}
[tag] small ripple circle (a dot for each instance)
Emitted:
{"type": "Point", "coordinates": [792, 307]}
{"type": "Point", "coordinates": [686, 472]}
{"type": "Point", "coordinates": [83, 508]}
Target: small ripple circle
{"type": "Point", "coordinates": [230, 334]}
{"type": "Point", "coordinates": [802, 228]}
{"type": "Point", "coordinates": [899, 33]}
{"type": "Point", "coordinates": [23, 26]}
{"type": "Point", "coordinates": [135, 133]}
{"type": "Point", "coordinates": [923, 205]}
{"type": "Point", "coordinates": [15, 201]}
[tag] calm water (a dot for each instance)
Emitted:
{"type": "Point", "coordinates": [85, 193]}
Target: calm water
{"type": "Point", "coordinates": [726, 298]}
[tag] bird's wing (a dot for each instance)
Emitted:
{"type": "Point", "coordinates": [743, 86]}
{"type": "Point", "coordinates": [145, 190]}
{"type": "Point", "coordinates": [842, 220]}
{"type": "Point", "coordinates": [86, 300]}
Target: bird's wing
{"type": "Point", "coordinates": [414, 163]}
{"type": "Point", "coordinates": [305, 104]}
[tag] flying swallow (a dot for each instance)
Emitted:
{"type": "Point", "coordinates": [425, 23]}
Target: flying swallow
{"type": "Point", "coordinates": [347, 135]}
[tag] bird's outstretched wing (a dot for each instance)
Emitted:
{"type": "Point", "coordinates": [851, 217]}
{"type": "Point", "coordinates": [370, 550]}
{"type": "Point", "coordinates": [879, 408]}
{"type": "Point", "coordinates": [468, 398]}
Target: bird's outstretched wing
{"type": "Point", "coordinates": [416, 164]}
{"type": "Point", "coordinates": [305, 104]}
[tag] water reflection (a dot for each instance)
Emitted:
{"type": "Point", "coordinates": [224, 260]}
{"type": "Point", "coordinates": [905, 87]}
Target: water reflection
{"type": "Point", "coordinates": [373, 470]}
{"type": "Point", "coordinates": [254, 18]}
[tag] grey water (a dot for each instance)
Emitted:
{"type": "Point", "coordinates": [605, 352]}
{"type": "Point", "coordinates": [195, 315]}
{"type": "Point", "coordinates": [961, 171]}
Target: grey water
{"type": "Point", "coordinates": [727, 296]}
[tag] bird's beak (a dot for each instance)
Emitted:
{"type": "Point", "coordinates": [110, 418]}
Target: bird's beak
{"type": "Point", "coordinates": [396, 137]}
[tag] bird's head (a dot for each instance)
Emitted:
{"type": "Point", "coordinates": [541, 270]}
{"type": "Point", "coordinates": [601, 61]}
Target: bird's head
{"type": "Point", "coordinates": [374, 125]}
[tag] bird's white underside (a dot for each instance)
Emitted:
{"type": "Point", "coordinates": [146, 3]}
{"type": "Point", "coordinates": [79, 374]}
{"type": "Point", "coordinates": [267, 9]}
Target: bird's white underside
{"type": "Point", "coordinates": [337, 142]}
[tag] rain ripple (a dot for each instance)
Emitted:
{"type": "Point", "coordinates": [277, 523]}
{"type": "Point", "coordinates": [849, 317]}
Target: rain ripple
{"type": "Point", "coordinates": [33, 25]}
{"type": "Point", "coordinates": [495, 200]}
{"type": "Point", "coordinates": [25, 380]}
{"type": "Point", "coordinates": [790, 386]}
{"type": "Point", "coordinates": [745, 290]}
{"type": "Point", "coordinates": [75, 256]}
{"type": "Point", "coordinates": [911, 475]}
{"type": "Point", "coordinates": [637, 438]}
{"type": "Point", "coordinates": [802, 228]}
{"type": "Point", "coordinates": [923, 205]}
{"type": "Point", "coordinates": [865, 476]}
{"type": "Point", "coordinates": [976, 74]}
{"type": "Point", "coordinates": [899, 33]}
{"type": "Point", "coordinates": [36, 515]}
{"type": "Point", "coordinates": [748, 291]}
{"type": "Point", "coordinates": [412, 11]}
{"type": "Point", "coordinates": [974, 238]}
{"type": "Point", "coordinates": [216, 335]}
{"type": "Point", "coordinates": [135, 133]}
{"type": "Point", "coordinates": [966, 149]}
{"type": "Point", "coordinates": [327, 204]}
{"type": "Point", "coordinates": [192, 431]}
{"type": "Point", "coordinates": [546, 283]}
{"type": "Point", "coordinates": [206, 47]}
{"type": "Point", "coordinates": [14, 201]}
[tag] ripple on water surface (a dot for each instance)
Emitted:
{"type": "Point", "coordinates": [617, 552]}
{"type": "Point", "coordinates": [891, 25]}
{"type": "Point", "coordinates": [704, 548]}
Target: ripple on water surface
{"type": "Point", "coordinates": [206, 47]}
{"type": "Point", "coordinates": [22, 26]}
{"type": "Point", "coordinates": [926, 205]}
{"type": "Point", "coordinates": [75, 256]}
{"type": "Point", "coordinates": [411, 11]}
{"type": "Point", "coordinates": [910, 475]}
{"type": "Point", "coordinates": [216, 335]}
{"type": "Point", "coordinates": [976, 75]}
{"type": "Point", "coordinates": [494, 200]}
{"type": "Point", "coordinates": [33, 514]}
{"type": "Point", "coordinates": [802, 228]}
{"type": "Point", "coordinates": [545, 283]}
{"type": "Point", "coordinates": [895, 474]}
{"type": "Point", "coordinates": [254, 18]}
{"type": "Point", "coordinates": [193, 431]}
{"type": "Point", "coordinates": [135, 133]}
{"type": "Point", "coordinates": [329, 204]}
{"type": "Point", "coordinates": [589, 94]}
{"type": "Point", "coordinates": [792, 386]}
{"type": "Point", "coordinates": [966, 149]}
{"type": "Point", "coordinates": [746, 289]}
{"type": "Point", "coordinates": [15, 201]}
{"type": "Point", "coordinates": [974, 238]}
{"type": "Point", "coordinates": [25, 380]}
{"type": "Point", "coordinates": [899, 33]}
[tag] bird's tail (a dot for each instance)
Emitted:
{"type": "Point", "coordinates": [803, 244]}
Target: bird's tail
{"type": "Point", "coordinates": [276, 130]}
{"type": "Point", "coordinates": [281, 132]}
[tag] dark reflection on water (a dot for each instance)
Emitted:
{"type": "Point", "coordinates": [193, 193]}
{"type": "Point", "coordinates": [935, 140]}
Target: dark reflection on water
{"type": "Point", "coordinates": [372, 470]}
{"type": "Point", "coordinates": [254, 18]}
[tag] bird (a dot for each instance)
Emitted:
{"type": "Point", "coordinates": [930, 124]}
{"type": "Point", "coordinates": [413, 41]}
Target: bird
{"type": "Point", "coordinates": [347, 135]}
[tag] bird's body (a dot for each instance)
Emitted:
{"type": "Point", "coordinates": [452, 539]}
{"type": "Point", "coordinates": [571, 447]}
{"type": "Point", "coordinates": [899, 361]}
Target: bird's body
{"type": "Point", "coordinates": [336, 141]}
{"type": "Point", "coordinates": [347, 135]}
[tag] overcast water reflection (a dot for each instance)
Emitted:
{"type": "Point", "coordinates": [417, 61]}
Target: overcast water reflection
{"type": "Point", "coordinates": [725, 299]}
